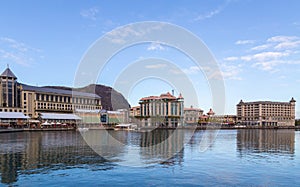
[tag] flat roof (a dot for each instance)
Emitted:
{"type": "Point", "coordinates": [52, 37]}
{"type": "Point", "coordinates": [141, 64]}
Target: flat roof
{"type": "Point", "coordinates": [263, 102]}
{"type": "Point", "coordinates": [59, 116]}
{"type": "Point", "coordinates": [58, 91]}
{"type": "Point", "coordinates": [87, 111]}
{"type": "Point", "coordinates": [12, 115]}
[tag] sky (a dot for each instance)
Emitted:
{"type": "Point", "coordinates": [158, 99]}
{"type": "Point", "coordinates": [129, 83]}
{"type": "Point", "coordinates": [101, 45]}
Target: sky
{"type": "Point", "coordinates": [256, 45]}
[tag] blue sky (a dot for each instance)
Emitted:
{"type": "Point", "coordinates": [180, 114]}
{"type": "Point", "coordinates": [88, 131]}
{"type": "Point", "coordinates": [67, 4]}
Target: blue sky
{"type": "Point", "coordinates": [256, 43]}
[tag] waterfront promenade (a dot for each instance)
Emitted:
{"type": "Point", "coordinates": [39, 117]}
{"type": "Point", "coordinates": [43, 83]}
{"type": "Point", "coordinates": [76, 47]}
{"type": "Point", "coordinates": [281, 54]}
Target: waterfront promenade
{"type": "Point", "coordinates": [149, 128]}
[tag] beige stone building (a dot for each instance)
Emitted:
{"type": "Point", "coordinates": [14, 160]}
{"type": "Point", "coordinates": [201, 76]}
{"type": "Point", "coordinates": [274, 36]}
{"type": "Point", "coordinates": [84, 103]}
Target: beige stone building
{"type": "Point", "coordinates": [33, 101]}
{"type": "Point", "coordinates": [135, 111]}
{"type": "Point", "coordinates": [266, 113]}
{"type": "Point", "coordinates": [165, 110]}
{"type": "Point", "coordinates": [192, 115]}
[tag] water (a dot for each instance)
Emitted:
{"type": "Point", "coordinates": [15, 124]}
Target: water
{"type": "Point", "coordinates": [235, 158]}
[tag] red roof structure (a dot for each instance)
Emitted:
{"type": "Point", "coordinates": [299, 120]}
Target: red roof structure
{"type": "Point", "coordinates": [162, 96]}
{"type": "Point", "coordinates": [210, 112]}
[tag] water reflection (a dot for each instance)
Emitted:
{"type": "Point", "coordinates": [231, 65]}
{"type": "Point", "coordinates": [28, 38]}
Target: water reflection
{"type": "Point", "coordinates": [23, 154]}
{"type": "Point", "coordinates": [137, 148]}
{"type": "Point", "coordinates": [280, 142]}
{"type": "Point", "coordinates": [38, 152]}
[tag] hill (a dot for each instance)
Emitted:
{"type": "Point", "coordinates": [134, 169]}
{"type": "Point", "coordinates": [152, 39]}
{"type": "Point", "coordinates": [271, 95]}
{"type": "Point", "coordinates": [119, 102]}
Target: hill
{"type": "Point", "coordinates": [110, 98]}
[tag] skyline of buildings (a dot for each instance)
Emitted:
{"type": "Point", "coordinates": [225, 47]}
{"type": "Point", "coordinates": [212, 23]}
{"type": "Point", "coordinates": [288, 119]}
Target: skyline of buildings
{"type": "Point", "coordinates": [261, 57]}
{"type": "Point", "coordinates": [165, 110]}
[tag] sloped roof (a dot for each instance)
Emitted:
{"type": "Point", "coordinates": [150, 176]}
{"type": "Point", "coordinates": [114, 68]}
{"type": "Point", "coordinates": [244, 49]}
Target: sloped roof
{"type": "Point", "coordinates": [59, 116]}
{"type": "Point", "coordinates": [8, 73]}
{"type": "Point", "coordinates": [58, 91]}
{"type": "Point", "coordinates": [12, 115]}
{"type": "Point", "coordinates": [162, 96]}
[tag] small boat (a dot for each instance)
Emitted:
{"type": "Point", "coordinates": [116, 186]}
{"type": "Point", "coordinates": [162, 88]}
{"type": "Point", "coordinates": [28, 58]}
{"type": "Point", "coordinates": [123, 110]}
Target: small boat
{"type": "Point", "coordinates": [128, 127]}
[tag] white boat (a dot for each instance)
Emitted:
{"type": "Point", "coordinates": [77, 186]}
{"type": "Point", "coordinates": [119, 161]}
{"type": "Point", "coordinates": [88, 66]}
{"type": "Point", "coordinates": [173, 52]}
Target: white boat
{"type": "Point", "coordinates": [127, 126]}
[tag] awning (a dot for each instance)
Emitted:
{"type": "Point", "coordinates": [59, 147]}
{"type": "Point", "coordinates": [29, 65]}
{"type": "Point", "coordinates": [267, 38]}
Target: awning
{"type": "Point", "coordinates": [12, 115]}
{"type": "Point", "coordinates": [33, 121]}
{"type": "Point", "coordinates": [56, 116]}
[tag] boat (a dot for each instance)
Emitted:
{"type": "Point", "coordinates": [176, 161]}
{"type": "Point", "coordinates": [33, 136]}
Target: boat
{"type": "Point", "coordinates": [126, 126]}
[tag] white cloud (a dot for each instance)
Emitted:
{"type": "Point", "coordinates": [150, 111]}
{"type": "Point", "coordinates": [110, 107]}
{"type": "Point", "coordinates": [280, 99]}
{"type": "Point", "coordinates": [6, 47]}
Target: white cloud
{"type": "Point", "coordinates": [261, 47]}
{"type": "Point", "coordinates": [156, 66]}
{"type": "Point", "coordinates": [231, 71]}
{"type": "Point", "coordinates": [19, 46]}
{"type": "Point", "coordinates": [282, 38]}
{"type": "Point", "coordinates": [284, 42]}
{"type": "Point", "coordinates": [12, 51]}
{"type": "Point", "coordinates": [263, 56]}
{"type": "Point", "coordinates": [90, 13]}
{"type": "Point", "coordinates": [231, 58]}
{"type": "Point", "coordinates": [129, 33]}
{"type": "Point", "coordinates": [287, 45]}
{"type": "Point", "coordinates": [267, 65]}
{"type": "Point", "coordinates": [155, 46]}
{"type": "Point", "coordinates": [271, 64]}
{"type": "Point", "coordinates": [243, 42]}
{"type": "Point", "coordinates": [192, 70]}
{"type": "Point", "coordinates": [270, 54]}
{"type": "Point", "coordinates": [207, 15]}
{"type": "Point", "coordinates": [213, 12]}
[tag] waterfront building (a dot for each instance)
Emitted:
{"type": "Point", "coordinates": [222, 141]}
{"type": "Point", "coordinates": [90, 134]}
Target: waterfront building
{"type": "Point", "coordinates": [205, 119]}
{"type": "Point", "coordinates": [164, 110]}
{"type": "Point", "coordinates": [192, 115]}
{"type": "Point", "coordinates": [224, 120]}
{"type": "Point", "coordinates": [229, 120]}
{"type": "Point", "coordinates": [135, 111]}
{"type": "Point", "coordinates": [114, 117]}
{"type": "Point", "coordinates": [32, 101]}
{"type": "Point", "coordinates": [266, 113]}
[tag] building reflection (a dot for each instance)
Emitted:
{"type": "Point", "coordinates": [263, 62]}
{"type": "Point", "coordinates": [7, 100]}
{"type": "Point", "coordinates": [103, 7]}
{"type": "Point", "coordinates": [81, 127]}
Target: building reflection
{"type": "Point", "coordinates": [281, 142]}
{"type": "Point", "coordinates": [163, 146]}
{"type": "Point", "coordinates": [29, 153]}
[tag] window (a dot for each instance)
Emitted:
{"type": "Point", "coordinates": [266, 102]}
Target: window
{"type": "Point", "coordinates": [24, 96]}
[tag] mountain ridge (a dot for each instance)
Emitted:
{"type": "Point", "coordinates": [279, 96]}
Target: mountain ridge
{"type": "Point", "coordinates": [110, 98]}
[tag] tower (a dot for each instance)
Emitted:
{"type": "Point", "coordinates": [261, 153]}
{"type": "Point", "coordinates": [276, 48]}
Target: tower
{"type": "Point", "coordinates": [9, 89]}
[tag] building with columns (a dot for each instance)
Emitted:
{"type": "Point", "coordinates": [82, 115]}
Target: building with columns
{"type": "Point", "coordinates": [165, 110]}
{"type": "Point", "coordinates": [266, 113]}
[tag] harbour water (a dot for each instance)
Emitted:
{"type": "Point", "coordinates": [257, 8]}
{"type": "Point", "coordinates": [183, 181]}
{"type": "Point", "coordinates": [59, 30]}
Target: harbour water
{"type": "Point", "coordinates": [245, 157]}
